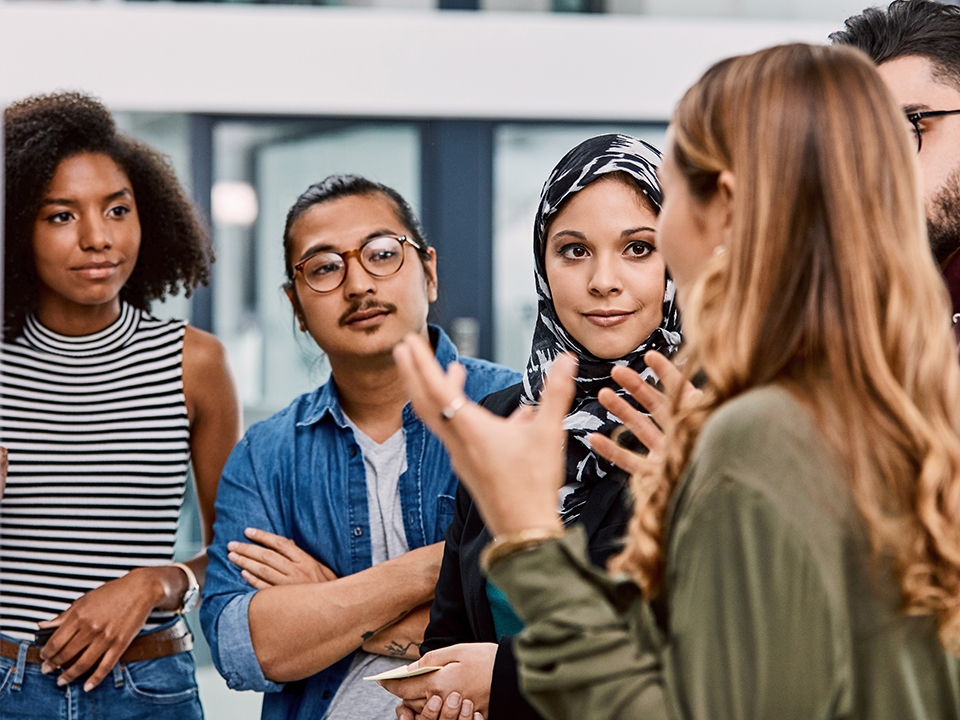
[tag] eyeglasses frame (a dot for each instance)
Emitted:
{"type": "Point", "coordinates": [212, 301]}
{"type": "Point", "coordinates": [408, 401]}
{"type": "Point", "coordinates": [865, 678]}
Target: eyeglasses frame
{"type": "Point", "coordinates": [402, 239]}
{"type": "Point", "coordinates": [914, 119]}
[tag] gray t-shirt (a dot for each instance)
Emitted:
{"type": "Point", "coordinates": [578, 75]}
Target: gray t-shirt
{"type": "Point", "coordinates": [356, 698]}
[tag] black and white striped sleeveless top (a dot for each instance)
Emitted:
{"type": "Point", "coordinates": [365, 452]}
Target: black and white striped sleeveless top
{"type": "Point", "coordinates": [99, 447]}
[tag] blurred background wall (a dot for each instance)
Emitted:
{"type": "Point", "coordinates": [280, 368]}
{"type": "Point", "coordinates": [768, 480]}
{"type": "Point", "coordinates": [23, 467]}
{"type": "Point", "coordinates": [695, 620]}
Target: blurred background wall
{"type": "Point", "coordinates": [461, 105]}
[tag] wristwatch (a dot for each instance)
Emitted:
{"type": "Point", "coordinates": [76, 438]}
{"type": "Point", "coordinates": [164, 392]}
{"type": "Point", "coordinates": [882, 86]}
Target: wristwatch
{"type": "Point", "coordinates": [192, 595]}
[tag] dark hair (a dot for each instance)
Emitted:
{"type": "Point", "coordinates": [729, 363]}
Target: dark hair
{"type": "Point", "coordinates": [43, 131]}
{"type": "Point", "coordinates": [908, 27]}
{"type": "Point", "coordinates": [335, 187]}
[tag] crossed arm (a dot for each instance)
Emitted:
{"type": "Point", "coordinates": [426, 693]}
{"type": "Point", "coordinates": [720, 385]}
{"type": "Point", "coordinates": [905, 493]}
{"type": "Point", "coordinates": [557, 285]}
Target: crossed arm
{"type": "Point", "coordinates": [304, 620]}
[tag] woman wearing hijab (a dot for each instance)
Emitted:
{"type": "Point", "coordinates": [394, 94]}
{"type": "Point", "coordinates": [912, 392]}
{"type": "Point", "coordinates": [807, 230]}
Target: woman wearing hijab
{"type": "Point", "coordinates": [794, 551]}
{"type": "Point", "coordinates": [604, 297]}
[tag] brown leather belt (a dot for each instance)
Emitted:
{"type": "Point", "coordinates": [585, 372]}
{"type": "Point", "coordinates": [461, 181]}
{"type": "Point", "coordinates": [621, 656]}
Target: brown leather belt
{"type": "Point", "coordinates": [169, 641]}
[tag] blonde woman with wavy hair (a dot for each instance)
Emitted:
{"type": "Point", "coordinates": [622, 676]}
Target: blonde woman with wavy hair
{"type": "Point", "coordinates": [796, 532]}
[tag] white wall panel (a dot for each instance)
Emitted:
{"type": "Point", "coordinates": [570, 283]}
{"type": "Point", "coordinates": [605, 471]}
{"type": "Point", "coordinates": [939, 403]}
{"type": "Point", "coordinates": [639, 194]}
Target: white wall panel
{"type": "Point", "coordinates": [350, 61]}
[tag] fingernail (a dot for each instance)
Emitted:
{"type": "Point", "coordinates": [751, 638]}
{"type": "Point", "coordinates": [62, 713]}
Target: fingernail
{"type": "Point", "coordinates": [467, 709]}
{"type": "Point", "coordinates": [232, 545]}
{"type": "Point", "coordinates": [434, 703]}
{"type": "Point", "coordinates": [88, 687]}
{"type": "Point", "coordinates": [61, 681]}
{"type": "Point", "coordinates": [46, 668]}
{"type": "Point", "coordinates": [232, 557]}
{"type": "Point", "coordinates": [453, 699]}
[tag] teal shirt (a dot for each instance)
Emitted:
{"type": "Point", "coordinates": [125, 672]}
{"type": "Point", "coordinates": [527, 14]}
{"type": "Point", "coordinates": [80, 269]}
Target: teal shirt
{"type": "Point", "coordinates": [774, 604]}
{"type": "Point", "coordinates": [505, 620]}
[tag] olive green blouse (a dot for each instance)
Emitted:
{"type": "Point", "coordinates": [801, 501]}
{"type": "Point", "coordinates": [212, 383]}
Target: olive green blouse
{"type": "Point", "coordinates": [773, 606]}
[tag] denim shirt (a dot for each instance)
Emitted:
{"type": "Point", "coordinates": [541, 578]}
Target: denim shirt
{"type": "Point", "coordinates": [300, 474]}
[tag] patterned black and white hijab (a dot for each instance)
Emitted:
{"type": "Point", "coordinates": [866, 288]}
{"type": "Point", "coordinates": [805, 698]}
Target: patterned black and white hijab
{"type": "Point", "coordinates": [589, 161]}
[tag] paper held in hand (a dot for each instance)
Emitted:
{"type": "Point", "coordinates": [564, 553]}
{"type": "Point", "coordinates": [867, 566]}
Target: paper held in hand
{"type": "Point", "coordinates": [403, 673]}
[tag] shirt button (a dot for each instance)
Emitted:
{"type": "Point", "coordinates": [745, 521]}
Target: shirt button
{"type": "Point", "coordinates": [357, 531]}
{"type": "Point", "coordinates": [353, 452]}
{"type": "Point", "coordinates": [326, 695]}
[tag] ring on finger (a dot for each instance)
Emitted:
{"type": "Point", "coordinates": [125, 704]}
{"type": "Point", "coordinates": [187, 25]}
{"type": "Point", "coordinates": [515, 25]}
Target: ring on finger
{"type": "Point", "coordinates": [455, 405]}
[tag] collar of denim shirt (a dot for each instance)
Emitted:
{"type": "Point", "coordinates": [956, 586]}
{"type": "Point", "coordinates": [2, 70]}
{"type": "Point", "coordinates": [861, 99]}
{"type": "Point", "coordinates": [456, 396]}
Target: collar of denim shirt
{"type": "Point", "coordinates": [327, 401]}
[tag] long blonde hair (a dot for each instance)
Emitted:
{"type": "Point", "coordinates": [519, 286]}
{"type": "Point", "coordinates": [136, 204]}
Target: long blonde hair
{"type": "Point", "coordinates": [827, 287]}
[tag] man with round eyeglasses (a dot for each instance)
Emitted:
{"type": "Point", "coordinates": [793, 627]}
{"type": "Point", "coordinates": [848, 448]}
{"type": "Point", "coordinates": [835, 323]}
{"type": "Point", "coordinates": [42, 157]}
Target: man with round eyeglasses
{"type": "Point", "coordinates": [916, 46]}
{"type": "Point", "coordinates": [381, 256]}
{"type": "Point", "coordinates": [331, 513]}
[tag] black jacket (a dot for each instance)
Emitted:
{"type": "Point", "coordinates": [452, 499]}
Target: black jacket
{"type": "Point", "coordinates": [461, 612]}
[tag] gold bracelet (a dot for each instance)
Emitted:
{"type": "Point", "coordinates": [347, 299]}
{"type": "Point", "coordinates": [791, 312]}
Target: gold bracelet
{"type": "Point", "coordinates": [514, 543]}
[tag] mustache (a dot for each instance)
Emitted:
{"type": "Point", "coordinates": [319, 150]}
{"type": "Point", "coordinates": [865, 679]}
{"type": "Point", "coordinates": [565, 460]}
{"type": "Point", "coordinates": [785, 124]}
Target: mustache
{"type": "Point", "coordinates": [362, 305]}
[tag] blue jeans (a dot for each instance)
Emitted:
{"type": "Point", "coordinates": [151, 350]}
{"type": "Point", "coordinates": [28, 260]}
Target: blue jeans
{"type": "Point", "coordinates": [160, 689]}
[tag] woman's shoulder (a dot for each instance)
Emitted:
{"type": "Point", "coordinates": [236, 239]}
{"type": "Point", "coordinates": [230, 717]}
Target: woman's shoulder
{"type": "Point", "coordinates": [767, 442]}
{"type": "Point", "coordinates": [505, 401]}
{"type": "Point", "coordinates": [208, 384]}
{"type": "Point", "coordinates": [749, 422]}
{"type": "Point", "coordinates": [762, 473]}
{"type": "Point", "coordinates": [203, 353]}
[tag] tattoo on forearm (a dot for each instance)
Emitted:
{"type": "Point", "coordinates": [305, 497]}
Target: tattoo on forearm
{"type": "Point", "coordinates": [370, 633]}
{"type": "Point", "coordinates": [395, 649]}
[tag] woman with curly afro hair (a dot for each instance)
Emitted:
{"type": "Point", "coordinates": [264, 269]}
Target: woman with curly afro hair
{"type": "Point", "coordinates": [102, 408]}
